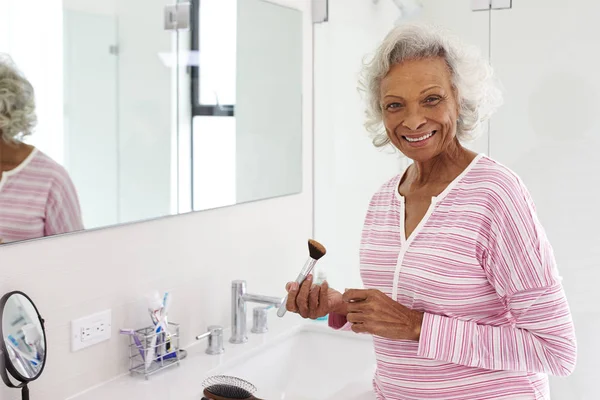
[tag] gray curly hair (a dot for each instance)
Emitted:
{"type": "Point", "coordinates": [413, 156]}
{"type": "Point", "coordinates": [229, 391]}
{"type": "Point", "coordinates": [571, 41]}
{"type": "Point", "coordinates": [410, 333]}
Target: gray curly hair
{"type": "Point", "coordinates": [478, 92]}
{"type": "Point", "coordinates": [17, 103]}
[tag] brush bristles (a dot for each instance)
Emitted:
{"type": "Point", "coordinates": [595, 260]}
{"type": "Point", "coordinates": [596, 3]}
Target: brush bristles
{"type": "Point", "coordinates": [316, 249]}
{"type": "Point", "coordinates": [227, 392]}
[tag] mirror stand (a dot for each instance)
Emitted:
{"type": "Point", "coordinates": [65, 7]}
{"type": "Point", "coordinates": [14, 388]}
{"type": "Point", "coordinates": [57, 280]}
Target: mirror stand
{"type": "Point", "coordinates": [23, 386]}
{"type": "Point", "coordinates": [25, 392]}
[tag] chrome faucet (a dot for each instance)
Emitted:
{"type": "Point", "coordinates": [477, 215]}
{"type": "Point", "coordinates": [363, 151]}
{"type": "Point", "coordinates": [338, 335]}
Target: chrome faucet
{"type": "Point", "coordinates": [239, 298]}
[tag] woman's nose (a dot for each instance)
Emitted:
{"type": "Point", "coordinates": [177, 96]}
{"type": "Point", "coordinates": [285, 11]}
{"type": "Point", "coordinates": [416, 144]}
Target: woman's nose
{"type": "Point", "coordinates": [414, 120]}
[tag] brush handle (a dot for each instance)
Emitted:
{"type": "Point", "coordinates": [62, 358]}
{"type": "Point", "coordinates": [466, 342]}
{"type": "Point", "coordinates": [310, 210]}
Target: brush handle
{"type": "Point", "coordinates": [306, 270]}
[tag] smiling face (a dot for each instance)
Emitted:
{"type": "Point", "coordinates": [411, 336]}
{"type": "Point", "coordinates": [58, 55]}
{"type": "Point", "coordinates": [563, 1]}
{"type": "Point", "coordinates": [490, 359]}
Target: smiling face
{"type": "Point", "coordinates": [420, 108]}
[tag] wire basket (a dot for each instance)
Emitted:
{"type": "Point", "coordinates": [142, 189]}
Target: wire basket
{"type": "Point", "coordinates": [166, 350]}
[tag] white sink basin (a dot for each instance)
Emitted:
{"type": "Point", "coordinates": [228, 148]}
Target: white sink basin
{"type": "Point", "coordinates": [311, 362]}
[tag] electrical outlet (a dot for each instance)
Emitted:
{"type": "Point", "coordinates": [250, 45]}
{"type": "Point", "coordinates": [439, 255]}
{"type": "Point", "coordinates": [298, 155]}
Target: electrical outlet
{"type": "Point", "coordinates": [90, 330]}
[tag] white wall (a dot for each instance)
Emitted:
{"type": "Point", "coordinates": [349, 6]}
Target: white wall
{"type": "Point", "coordinates": [4, 26]}
{"type": "Point", "coordinates": [194, 256]}
{"type": "Point", "coordinates": [268, 101]}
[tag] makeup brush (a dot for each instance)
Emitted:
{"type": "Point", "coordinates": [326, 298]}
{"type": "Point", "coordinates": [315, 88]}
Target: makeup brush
{"type": "Point", "coordinates": [316, 250]}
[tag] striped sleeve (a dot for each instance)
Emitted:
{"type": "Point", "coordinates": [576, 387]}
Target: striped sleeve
{"type": "Point", "coordinates": [520, 265]}
{"type": "Point", "coordinates": [63, 212]}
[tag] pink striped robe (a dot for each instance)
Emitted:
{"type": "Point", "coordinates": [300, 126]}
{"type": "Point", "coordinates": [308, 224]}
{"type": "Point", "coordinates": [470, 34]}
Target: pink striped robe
{"type": "Point", "coordinates": [37, 199]}
{"type": "Point", "coordinates": [481, 268]}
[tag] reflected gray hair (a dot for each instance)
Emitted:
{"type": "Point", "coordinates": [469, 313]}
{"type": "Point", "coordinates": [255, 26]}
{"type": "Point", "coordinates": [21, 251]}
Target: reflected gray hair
{"type": "Point", "coordinates": [17, 103]}
{"type": "Point", "coordinates": [478, 92]}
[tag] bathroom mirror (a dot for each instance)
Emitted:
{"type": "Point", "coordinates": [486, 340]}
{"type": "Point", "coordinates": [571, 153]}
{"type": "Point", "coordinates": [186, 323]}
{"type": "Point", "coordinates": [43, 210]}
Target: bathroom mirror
{"type": "Point", "coordinates": [147, 122]}
{"type": "Point", "coordinates": [22, 341]}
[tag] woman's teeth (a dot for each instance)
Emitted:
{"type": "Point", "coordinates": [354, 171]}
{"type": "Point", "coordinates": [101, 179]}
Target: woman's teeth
{"type": "Point", "coordinates": [420, 138]}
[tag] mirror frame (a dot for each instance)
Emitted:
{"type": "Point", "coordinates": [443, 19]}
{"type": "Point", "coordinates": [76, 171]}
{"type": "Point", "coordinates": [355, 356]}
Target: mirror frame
{"type": "Point", "coordinates": [5, 364]}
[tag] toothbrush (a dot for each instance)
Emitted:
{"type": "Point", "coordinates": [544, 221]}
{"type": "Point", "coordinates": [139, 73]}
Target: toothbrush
{"type": "Point", "coordinates": [18, 357]}
{"type": "Point", "coordinates": [316, 250]}
{"type": "Point", "coordinates": [166, 303]}
{"type": "Point", "coordinates": [155, 308]}
{"type": "Point", "coordinates": [12, 342]}
{"type": "Point", "coordinates": [164, 314]}
{"type": "Point", "coordinates": [136, 339]}
{"type": "Point", "coordinates": [32, 338]}
{"type": "Point", "coordinates": [151, 350]}
{"type": "Point", "coordinates": [154, 350]}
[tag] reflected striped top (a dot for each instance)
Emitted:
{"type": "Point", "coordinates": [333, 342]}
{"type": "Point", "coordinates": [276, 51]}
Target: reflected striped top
{"type": "Point", "coordinates": [37, 199]}
{"type": "Point", "coordinates": [481, 268]}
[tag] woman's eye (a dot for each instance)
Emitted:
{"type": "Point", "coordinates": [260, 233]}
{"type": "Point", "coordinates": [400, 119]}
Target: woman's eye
{"type": "Point", "coordinates": [393, 106]}
{"type": "Point", "coordinates": [432, 99]}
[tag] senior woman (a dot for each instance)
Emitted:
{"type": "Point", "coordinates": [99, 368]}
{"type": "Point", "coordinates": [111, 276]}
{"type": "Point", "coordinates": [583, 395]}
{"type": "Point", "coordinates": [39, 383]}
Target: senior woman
{"type": "Point", "coordinates": [462, 297]}
{"type": "Point", "coordinates": [37, 197]}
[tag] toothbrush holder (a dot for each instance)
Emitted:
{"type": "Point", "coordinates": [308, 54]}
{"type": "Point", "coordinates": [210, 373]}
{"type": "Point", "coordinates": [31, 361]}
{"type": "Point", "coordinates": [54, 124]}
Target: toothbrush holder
{"type": "Point", "coordinates": [163, 348]}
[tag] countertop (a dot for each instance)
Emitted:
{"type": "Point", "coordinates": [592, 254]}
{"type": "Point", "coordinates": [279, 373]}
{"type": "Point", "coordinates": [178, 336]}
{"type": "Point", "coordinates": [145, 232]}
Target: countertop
{"type": "Point", "coordinates": [184, 382]}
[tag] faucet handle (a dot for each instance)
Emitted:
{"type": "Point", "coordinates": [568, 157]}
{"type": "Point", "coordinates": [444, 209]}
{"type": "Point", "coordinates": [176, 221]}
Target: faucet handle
{"type": "Point", "coordinates": [214, 334]}
{"type": "Point", "coordinates": [260, 320]}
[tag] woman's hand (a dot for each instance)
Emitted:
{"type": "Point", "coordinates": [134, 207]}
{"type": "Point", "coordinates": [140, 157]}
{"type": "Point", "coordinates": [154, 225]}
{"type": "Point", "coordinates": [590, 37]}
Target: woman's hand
{"type": "Point", "coordinates": [313, 301]}
{"type": "Point", "coordinates": [372, 311]}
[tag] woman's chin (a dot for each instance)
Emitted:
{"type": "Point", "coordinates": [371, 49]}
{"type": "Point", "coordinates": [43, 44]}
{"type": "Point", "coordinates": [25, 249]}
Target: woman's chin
{"type": "Point", "coordinates": [419, 154]}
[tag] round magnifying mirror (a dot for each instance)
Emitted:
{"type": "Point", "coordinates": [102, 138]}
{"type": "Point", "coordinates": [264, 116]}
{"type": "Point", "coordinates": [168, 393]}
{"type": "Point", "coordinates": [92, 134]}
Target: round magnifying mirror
{"type": "Point", "coordinates": [22, 340]}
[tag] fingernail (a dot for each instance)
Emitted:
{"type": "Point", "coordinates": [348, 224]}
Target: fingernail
{"type": "Point", "coordinates": [295, 286]}
{"type": "Point", "coordinates": [314, 285]}
{"type": "Point", "coordinates": [309, 277]}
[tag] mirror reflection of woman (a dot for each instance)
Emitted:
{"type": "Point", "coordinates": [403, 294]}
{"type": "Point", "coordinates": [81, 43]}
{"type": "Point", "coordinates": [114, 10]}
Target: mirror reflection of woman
{"type": "Point", "coordinates": [37, 196]}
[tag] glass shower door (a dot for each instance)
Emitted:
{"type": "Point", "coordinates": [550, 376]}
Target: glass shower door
{"type": "Point", "coordinates": [148, 110]}
{"type": "Point", "coordinates": [121, 88]}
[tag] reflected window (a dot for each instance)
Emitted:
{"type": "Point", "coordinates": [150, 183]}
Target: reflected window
{"type": "Point", "coordinates": [214, 39]}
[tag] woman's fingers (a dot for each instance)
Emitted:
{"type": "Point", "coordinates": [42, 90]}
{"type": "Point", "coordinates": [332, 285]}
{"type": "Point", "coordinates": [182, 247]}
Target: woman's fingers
{"type": "Point", "coordinates": [354, 295]}
{"type": "Point", "coordinates": [290, 305]}
{"type": "Point", "coordinates": [323, 300]}
{"type": "Point", "coordinates": [359, 328]}
{"type": "Point", "coordinates": [356, 317]}
{"type": "Point", "coordinates": [309, 300]}
{"type": "Point", "coordinates": [313, 301]}
{"type": "Point", "coordinates": [302, 298]}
